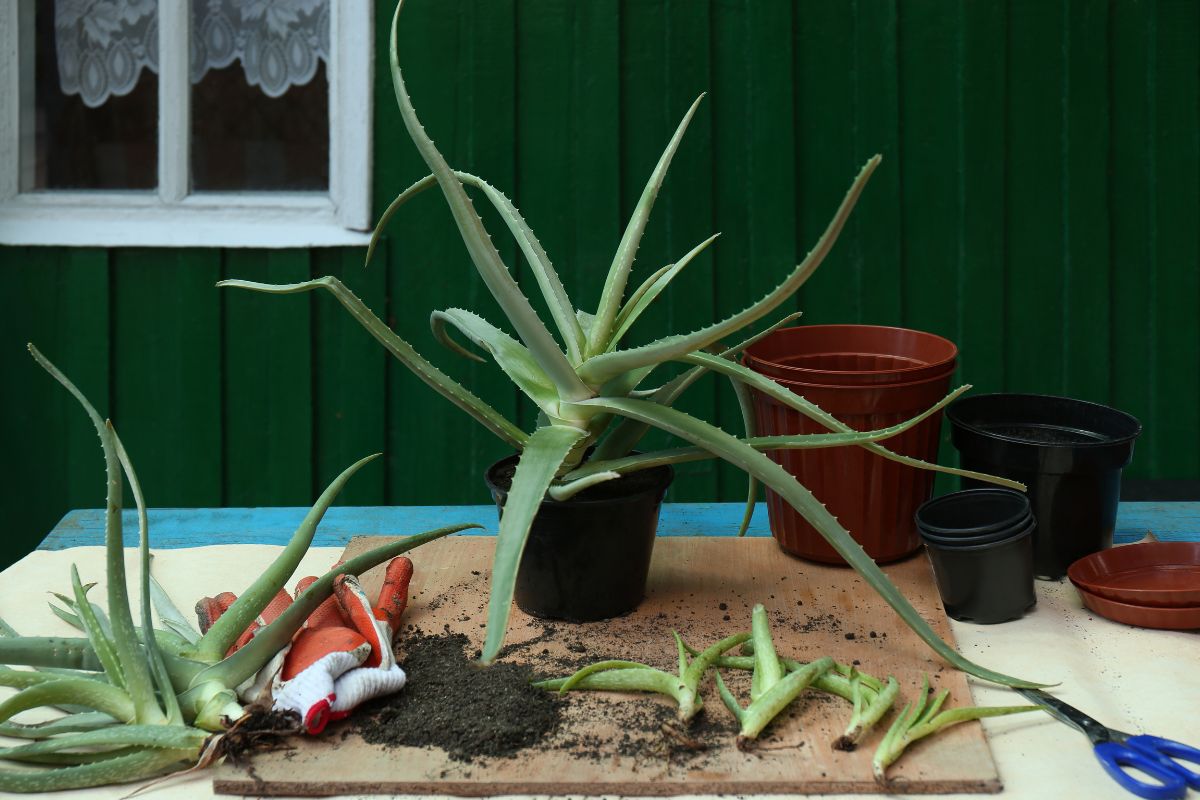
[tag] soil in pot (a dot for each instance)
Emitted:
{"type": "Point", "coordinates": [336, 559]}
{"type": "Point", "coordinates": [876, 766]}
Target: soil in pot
{"type": "Point", "coordinates": [587, 558]}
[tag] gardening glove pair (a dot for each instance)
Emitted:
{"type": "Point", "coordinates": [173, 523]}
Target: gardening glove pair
{"type": "Point", "coordinates": [342, 656]}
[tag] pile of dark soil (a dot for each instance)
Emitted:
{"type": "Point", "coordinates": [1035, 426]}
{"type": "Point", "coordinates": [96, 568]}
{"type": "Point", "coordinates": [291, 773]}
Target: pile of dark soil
{"type": "Point", "coordinates": [452, 703]}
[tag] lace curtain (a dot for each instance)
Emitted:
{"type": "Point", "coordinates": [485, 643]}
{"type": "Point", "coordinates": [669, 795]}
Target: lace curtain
{"type": "Point", "coordinates": [103, 45]}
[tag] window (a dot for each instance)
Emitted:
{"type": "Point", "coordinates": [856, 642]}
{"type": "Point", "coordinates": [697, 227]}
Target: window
{"type": "Point", "coordinates": [217, 123]}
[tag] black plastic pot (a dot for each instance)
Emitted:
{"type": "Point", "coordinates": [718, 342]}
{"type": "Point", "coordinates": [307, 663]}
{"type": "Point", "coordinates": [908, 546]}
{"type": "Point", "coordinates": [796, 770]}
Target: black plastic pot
{"type": "Point", "coordinates": [1069, 453]}
{"type": "Point", "coordinates": [587, 558]}
{"type": "Point", "coordinates": [973, 516]}
{"type": "Point", "coordinates": [985, 583]}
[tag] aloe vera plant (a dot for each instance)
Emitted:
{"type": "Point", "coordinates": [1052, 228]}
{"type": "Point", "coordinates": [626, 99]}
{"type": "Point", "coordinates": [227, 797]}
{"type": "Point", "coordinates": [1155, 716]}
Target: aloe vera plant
{"type": "Point", "coordinates": [588, 387]}
{"type": "Point", "coordinates": [141, 701]}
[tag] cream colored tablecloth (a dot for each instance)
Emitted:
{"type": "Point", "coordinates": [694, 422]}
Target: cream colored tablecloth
{"type": "Point", "coordinates": [1133, 679]}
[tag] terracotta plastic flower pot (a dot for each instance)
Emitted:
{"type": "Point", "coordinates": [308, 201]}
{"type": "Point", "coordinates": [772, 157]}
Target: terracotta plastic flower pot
{"type": "Point", "coordinates": [587, 558]}
{"type": "Point", "coordinates": [874, 498]}
{"type": "Point", "coordinates": [1069, 453]}
{"type": "Point", "coordinates": [851, 355]}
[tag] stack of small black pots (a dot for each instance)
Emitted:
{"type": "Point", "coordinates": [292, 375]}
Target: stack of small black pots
{"type": "Point", "coordinates": [981, 544]}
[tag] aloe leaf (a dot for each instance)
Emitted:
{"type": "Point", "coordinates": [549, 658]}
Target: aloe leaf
{"type": "Point", "coordinates": [806, 441]}
{"type": "Point", "coordinates": [628, 433]}
{"type": "Point", "coordinates": [125, 640]}
{"type": "Point", "coordinates": [648, 292]}
{"type": "Point", "coordinates": [75, 723]}
{"type": "Point", "coordinates": [767, 669]}
{"type": "Point", "coordinates": [170, 615]}
{"type": "Point", "coordinates": [483, 253]}
{"type": "Point", "coordinates": [814, 412]}
{"type": "Point", "coordinates": [621, 680]}
{"type": "Point", "coordinates": [101, 643]}
{"type": "Point", "coordinates": [747, 458]}
{"type": "Point", "coordinates": [93, 694]}
{"type": "Point", "coordinates": [229, 626]}
{"type": "Point", "coordinates": [777, 697]}
{"type": "Point", "coordinates": [269, 640]}
{"type": "Point", "coordinates": [158, 670]}
{"type": "Point", "coordinates": [618, 271]}
{"type": "Point", "coordinates": [565, 491]}
{"type": "Point", "coordinates": [152, 736]}
{"type": "Point", "coordinates": [601, 367]}
{"type": "Point", "coordinates": [118, 769]}
{"type": "Point", "coordinates": [540, 461]}
{"type": "Point", "coordinates": [560, 305]}
{"type": "Point", "coordinates": [510, 355]}
{"type": "Point", "coordinates": [746, 406]}
{"type": "Point", "coordinates": [600, 666]}
{"type": "Point", "coordinates": [437, 380]}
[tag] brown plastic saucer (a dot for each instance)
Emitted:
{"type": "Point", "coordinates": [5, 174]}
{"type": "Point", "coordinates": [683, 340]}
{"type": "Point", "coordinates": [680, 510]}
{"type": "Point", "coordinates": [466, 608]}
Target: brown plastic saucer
{"type": "Point", "coordinates": [1159, 574]}
{"type": "Point", "coordinates": [1169, 619]}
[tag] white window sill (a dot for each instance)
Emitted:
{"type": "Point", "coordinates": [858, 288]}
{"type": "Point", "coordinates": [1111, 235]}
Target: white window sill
{"type": "Point", "coordinates": [141, 220]}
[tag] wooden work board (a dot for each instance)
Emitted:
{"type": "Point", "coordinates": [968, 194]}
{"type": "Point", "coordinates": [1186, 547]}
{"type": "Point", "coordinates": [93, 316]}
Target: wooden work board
{"type": "Point", "coordinates": [704, 587]}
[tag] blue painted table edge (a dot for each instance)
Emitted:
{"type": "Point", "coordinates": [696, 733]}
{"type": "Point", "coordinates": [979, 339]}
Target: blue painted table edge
{"type": "Point", "coordinates": [172, 528]}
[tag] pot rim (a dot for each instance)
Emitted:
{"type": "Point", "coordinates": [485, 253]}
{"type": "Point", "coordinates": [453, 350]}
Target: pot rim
{"type": "Point", "coordinates": [974, 530]}
{"type": "Point", "coordinates": [657, 488]}
{"type": "Point", "coordinates": [954, 415]}
{"type": "Point", "coordinates": [833, 327]}
{"type": "Point", "coordinates": [1021, 535]}
{"type": "Point", "coordinates": [862, 387]}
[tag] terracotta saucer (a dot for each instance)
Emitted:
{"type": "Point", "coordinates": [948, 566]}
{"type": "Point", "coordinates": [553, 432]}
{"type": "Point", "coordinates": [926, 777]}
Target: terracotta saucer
{"type": "Point", "coordinates": [1161, 574]}
{"type": "Point", "coordinates": [1170, 619]}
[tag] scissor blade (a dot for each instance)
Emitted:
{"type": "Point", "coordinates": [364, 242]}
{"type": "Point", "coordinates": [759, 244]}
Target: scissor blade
{"type": "Point", "coordinates": [1068, 714]}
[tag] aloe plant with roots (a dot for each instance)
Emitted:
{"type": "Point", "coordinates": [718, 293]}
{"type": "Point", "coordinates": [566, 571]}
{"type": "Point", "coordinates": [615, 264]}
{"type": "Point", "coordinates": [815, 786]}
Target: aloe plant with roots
{"type": "Point", "coordinates": [142, 701]}
{"type": "Point", "coordinates": [588, 387]}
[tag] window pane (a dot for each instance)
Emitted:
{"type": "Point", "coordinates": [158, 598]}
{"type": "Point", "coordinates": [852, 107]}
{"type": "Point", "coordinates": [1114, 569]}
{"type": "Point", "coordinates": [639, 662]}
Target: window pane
{"type": "Point", "coordinates": [260, 95]}
{"type": "Point", "coordinates": [94, 95]}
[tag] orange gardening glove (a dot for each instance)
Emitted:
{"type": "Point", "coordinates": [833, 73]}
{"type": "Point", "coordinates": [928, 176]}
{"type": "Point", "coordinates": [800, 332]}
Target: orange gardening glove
{"type": "Point", "coordinates": [343, 654]}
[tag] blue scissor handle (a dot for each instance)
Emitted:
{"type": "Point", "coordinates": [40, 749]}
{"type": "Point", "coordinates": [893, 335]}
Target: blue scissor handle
{"type": "Point", "coordinates": [1114, 757]}
{"type": "Point", "coordinates": [1168, 749]}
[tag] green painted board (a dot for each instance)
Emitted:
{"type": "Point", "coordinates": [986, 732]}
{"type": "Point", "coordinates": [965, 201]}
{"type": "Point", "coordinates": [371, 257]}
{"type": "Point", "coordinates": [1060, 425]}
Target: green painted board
{"type": "Point", "coordinates": [1037, 203]}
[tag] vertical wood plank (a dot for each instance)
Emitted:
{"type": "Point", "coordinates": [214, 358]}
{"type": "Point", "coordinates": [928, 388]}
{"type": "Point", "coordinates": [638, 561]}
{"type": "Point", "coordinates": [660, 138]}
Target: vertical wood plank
{"type": "Point", "coordinates": [664, 67]}
{"type": "Point", "coordinates": [1176, 247]}
{"type": "Point", "coordinates": [167, 371]}
{"type": "Point", "coordinates": [1035, 199]}
{"type": "Point", "coordinates": [1085, 149]}
{"type": "Point", "coordinates": [1134, 274]}
{"type": "Point", "coordinates": [58, 300]}
{"type": "Point", "coordinates": [754, 162]}
{"type": "Point", "coordinates": [826, 128]}
{"type": "Point", "coordinates": [979, 219]}
{"type": "Point", "coordinates": [349, 380]}
{"type": "Point", "coordinates": [267, 382]}
{"type": "Point", "coordinates": [457, 61]}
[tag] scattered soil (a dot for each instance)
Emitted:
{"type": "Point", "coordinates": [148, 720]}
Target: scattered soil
{"type": "Point", "coordinates": [453, 703]}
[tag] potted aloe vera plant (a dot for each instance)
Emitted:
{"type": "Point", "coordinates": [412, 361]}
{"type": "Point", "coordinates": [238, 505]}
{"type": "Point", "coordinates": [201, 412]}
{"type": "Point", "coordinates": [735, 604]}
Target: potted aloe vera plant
{"type": "Point", "coordinates": [591, 391]}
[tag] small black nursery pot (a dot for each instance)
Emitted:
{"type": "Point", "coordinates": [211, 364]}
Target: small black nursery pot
{"type": "Point", "coordinates": [973, 516]}
{"type": "Point", "coordinates": [1069, 453]}
{"type": "Point", "coordinates": [587, 558]}
{"type": "Point", "coordinates": [987, 582]}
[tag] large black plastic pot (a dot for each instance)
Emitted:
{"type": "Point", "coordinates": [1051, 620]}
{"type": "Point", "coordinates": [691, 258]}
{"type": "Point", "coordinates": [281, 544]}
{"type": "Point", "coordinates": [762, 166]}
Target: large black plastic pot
{"type": "Point", "coordinates": [587, 558]}
{"type": "Point", "coordinates": [1069, 453]}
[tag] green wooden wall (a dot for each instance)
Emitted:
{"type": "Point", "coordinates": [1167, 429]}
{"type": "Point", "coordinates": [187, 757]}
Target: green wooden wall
{"type": "Point", "coordinates": [1038, 203]}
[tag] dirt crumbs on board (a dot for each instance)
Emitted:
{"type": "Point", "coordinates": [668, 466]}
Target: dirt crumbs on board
{"type": "Point", "coordinates": [453, 704]}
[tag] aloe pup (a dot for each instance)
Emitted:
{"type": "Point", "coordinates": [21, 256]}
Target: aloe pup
{"type": "Point", "coordinates": [586, 385]}
{"type": "Point", "coordinates": [142, 702]}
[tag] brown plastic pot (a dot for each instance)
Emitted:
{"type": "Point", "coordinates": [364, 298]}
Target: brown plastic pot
{"type": "Point", "coordinates": [874, 498]}
{"type": "Point", "coordinates": [851, 355]}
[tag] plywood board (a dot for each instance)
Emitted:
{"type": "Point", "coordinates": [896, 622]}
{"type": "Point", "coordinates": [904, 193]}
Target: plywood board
{"type": "Point", "coordinates": [704, 587]}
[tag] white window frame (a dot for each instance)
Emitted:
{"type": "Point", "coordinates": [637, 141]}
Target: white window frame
{"type": "Point", "coordinates": [172, 216]}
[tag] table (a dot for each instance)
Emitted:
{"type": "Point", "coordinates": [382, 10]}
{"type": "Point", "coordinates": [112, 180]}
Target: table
{"type": "Point", "coordinates": [1128, 677]}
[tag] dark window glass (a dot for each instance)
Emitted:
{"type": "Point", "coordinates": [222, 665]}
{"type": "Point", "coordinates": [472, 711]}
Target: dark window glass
{"type": "Point", "coordinates": [260, 96]}
{"type": "Point", "coordinates": [95, 96]}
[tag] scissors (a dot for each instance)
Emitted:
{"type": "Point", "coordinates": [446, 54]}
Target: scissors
{"type": "Point", "coordinates": [1117, 751]}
